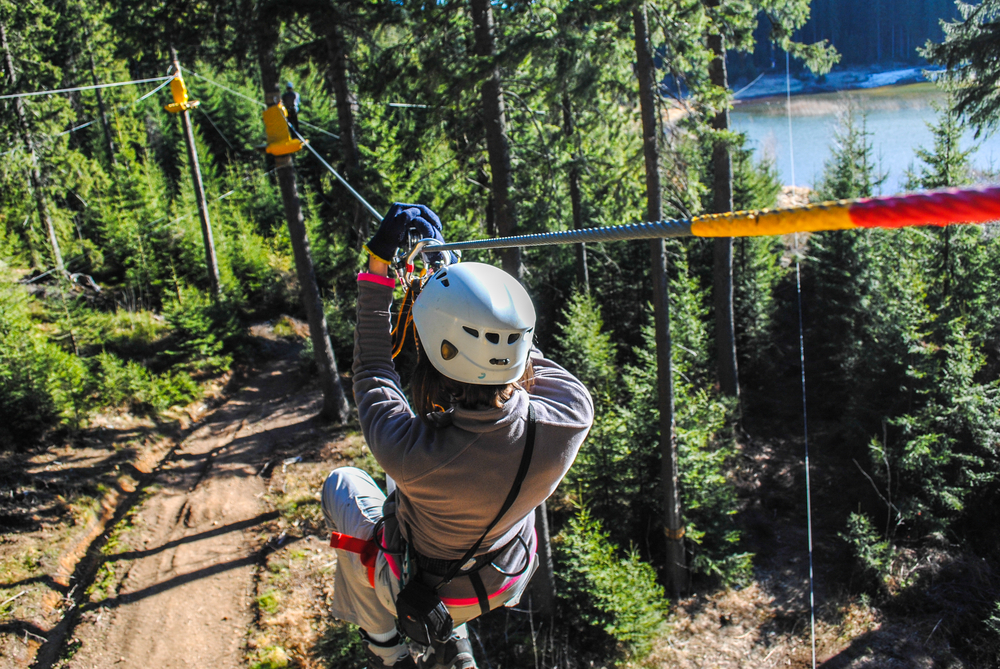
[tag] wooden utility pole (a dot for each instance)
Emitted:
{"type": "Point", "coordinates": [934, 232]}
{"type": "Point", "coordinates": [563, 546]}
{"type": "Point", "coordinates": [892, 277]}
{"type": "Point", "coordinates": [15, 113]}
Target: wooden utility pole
{"type": "Point", "coordinates": [35, 175]}
{"type": "Point", "coordinates": [199, 193]}
{"type": "Point", "coordinates": [497, 145]}
{"type": "Point", "coordinates": [722, 202]}
{"type": "Point", "coordinates": [674, 529]}
{"type": "Point", "coordinates": [335, 407]}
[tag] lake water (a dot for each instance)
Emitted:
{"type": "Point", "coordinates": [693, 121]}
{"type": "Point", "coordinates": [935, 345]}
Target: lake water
{"type": "Point", "coordinates": [897, 119]}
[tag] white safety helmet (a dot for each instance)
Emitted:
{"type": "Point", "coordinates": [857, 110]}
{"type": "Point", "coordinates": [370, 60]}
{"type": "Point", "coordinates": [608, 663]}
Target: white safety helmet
{"type": "Point", "coordinates": [475, 323]}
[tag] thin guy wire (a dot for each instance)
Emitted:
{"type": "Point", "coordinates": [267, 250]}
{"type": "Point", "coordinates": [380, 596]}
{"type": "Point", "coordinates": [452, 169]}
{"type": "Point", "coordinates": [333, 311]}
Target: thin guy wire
{"type": "Point", "coordinates": [83, 88]}
{"type": "Point", "coordinates": [256, 102]}
{"type": "Point", "coordinates": [788, 109]}
{"type": "Point", "coordinates": [92, 122]}
{"type": "Point", "coordinates": [356, 194]}
{"type": "Point", "coordinates": [805, 432]}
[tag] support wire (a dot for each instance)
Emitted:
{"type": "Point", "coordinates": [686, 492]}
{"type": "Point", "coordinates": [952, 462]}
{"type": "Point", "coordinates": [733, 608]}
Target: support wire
{"type": "Point", "coordinates": [788, 110]}
{"type": "Point", "coordinates": [805, 432]}
{"type": "Point", "coordinates": [256, 102]}
{"type": "Point", "coordinates": [84, 88]}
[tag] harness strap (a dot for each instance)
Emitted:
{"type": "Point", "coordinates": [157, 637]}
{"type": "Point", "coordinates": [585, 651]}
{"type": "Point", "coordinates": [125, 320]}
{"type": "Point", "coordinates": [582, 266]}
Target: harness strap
{"type": "Point", "coordinates": [368, 550]}
{"type": "Point", "coordinates": [481, 595]}
{"type": "Point", "coordinates": [440, 567]}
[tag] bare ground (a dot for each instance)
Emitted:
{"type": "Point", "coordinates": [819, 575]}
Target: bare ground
{"type": "Point", "coordinates": [184, 591]}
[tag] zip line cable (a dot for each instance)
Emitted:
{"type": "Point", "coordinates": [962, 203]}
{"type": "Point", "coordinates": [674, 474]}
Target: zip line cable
{"type": "Point", "coordinates": [805, 433]}
{"type": "Point", "coordinates": [342, 180]}
{"type": "Point", "coordinates": [85, 88]}
{"type": "Point", "coordinates": [944, 207]}
{"type": "Point", "coordinates": [256, 102]}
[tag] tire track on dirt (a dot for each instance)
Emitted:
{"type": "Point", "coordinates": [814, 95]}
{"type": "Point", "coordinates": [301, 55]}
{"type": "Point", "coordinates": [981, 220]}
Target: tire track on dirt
{"type": "Point", "coordinates": [186, 595]}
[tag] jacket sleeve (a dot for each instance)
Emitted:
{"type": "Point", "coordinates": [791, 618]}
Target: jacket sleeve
{"type": "Point", "coordinates": [387, 421]}
{"type": "Point", "coordinates": [561, 392]}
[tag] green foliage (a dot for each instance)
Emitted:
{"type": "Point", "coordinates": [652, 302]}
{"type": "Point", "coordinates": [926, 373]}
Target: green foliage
{"type": "Point", "coordinates": [340, 646]}
{"type": "Point", "coordinates": [585, 348]}
{"type": "Point", "coordinates": [205, 332]}
{"type": "Point", "coordinates": [130, 385]}
{"type": "Point", "coordinates": [618, 469]}
{"type": "Point", "coordinates": [26, 402]}
{"type": "Point", "coordinates": [616, 597]}
{"type": "Point", "coordinates": [945, 165]}
{"type": "Point", "coordinates": [969, 52]}
{"type": "Point", "coordinates": [872, 551]}
{"type": "Point", "coordinates": [851, 171]}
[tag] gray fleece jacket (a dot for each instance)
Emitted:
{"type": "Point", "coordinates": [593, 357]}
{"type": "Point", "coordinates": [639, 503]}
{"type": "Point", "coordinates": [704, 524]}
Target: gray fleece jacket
{"type": "Point", "coordinates": [453, 476]}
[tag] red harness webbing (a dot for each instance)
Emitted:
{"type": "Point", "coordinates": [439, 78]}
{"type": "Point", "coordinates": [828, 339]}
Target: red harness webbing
{"type": "Point", "coordinates": [368, 550]}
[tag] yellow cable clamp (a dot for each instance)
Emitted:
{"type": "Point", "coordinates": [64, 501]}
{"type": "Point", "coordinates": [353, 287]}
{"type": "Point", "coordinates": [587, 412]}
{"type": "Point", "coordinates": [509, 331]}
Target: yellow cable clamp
{"type": "Point", "coordinates": [674, 535]}
{"type": "Point", "coordinates": [180, 92]}
{"type": "Point", "coordinates": [279, 140]}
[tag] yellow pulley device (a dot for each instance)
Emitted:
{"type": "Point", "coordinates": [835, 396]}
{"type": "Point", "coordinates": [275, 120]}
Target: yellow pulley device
{"type": "Point", "coordinates": [180, 92]}
{"type": "Point", "coordinates": [279, 140]}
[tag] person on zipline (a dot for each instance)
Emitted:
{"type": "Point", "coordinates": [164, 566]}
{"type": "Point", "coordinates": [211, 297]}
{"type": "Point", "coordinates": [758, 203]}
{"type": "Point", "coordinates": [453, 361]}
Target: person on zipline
{"type": "Point", "coordinates": [468, 445]}
{"type": "Point", "coordinates": [291, 99]}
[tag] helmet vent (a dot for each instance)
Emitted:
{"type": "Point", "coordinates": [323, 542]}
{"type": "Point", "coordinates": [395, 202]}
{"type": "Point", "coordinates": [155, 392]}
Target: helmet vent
{"type": "Point", "coordinates": [471, 331]}
{"type": "Point", "coordinates": [493, 337]}
{"type": "Point", "coordinates": [500, 361]}
{"type": "Point", "coordinates": [513, 338]}
{"type": "Point", "coordinates": [448, 350]}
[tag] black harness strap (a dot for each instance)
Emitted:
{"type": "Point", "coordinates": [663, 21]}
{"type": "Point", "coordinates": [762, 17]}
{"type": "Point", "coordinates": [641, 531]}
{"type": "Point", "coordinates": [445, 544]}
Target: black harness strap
{"type": "Point", "coordinates": [481, 594]}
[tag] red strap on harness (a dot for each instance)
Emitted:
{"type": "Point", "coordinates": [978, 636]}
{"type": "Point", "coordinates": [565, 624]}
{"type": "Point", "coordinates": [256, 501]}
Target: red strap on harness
{"type": "Point", "coordinates": [368, 550]}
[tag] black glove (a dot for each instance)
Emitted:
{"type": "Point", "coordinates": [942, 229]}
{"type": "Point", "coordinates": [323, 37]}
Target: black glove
{"type": "Point", "coordinates": [392, 231]}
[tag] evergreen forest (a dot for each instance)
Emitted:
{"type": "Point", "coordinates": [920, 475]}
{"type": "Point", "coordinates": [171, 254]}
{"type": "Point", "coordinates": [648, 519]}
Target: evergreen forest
{"type": "Point", "coordinates": [118, 308]}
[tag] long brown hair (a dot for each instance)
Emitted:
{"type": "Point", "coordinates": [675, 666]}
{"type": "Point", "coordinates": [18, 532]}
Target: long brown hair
{"type": "Point", "coordinates": [433, 391]}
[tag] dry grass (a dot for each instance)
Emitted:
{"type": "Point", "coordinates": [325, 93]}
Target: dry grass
{"type": "Point", "coordinates": [295, 585]}
{"type": "Point", "coordinates": [888, 98]}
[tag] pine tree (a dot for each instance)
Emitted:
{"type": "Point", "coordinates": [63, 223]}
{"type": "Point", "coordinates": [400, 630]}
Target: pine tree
{"type": "Point", "coordinates": [969, 52]}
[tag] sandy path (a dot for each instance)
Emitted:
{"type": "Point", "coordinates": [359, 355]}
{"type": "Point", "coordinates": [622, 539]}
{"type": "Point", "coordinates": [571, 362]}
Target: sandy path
{"type": "Point", "coordinates": [185, 597]}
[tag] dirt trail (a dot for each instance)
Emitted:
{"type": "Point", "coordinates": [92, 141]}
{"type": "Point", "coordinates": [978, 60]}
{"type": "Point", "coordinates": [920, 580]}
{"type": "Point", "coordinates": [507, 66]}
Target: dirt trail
{"type": "Point", "coordinates": [185, 571]}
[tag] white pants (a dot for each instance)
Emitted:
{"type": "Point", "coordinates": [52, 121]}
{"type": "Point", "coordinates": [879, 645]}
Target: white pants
{"type": "Point", "coordinates": [352, 504]}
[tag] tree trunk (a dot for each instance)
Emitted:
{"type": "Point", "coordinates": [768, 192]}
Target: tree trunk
{"type": "Point", "coordinates": [575, 198]}
{"type": "Point", "coordinates": [37, 184]}
{"type": "Point", "coordinates": [722, 202]}
{"type": "Point", "coordinates": [335, 407]}
{"type": "Point", "coordinates": [211, 263]}
{"type": "Point", "coordinates": [544, 589]}
{"type": "Point", "coordinates": [497, 145]}
{"type": "Point", "coordinates": [347, 106]}
{"type": "Point", "coordinates": [674, 530]}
